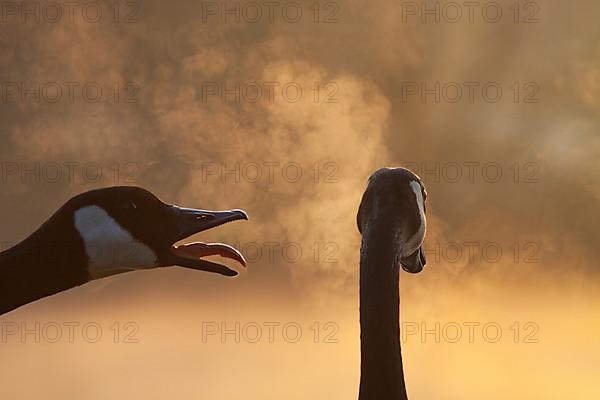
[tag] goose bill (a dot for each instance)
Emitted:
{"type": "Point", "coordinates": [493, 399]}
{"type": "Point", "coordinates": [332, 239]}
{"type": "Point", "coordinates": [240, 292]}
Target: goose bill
{"type": "Point", "coordinates": [191, 221]}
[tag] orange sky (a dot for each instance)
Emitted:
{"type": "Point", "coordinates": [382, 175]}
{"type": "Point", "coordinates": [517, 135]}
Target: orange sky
{"type": "Point", "coordinates": [313, 157]}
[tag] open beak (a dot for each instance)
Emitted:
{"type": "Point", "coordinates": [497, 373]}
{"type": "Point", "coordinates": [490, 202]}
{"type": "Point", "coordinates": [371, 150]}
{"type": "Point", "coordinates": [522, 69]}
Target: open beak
{"type": "Point", "coordinates": [190, 221]}
{"type": "Point", "coordinates": [415, 262]}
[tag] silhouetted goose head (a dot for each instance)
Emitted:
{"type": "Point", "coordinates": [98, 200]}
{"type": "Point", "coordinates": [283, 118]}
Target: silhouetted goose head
{"type": "Point", "coordinates": [395, 201]}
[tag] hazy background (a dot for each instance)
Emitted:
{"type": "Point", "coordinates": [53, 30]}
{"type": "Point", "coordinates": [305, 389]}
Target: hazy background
{"type": "Point", "coordinates": [175, 136]}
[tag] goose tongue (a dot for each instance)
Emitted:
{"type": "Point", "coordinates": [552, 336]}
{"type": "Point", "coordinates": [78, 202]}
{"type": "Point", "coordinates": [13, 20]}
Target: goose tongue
{"type": "Point", "coordinates": [199, 250]}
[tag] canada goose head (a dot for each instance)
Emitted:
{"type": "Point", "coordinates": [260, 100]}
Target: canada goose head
{"type": "Point", "coordinates": [128, 228]}
{"type": "Point", "coordinates": [395, 201]}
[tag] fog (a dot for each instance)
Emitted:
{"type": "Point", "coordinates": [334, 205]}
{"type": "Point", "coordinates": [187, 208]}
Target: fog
{"type": "Point", "coordinates": [287, 120]}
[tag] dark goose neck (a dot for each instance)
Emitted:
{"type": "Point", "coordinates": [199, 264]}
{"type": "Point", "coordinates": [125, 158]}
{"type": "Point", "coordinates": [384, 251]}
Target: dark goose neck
{"type": "Point", "coordinates": [49, 261]}
{"type": "Point", "coordinates": [382, 377]}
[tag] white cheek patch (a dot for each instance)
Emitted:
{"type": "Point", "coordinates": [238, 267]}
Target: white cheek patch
{"type": "Point", "coordinates": [415, 241]}
{"type": "Point", "coordinates": [109, 247]}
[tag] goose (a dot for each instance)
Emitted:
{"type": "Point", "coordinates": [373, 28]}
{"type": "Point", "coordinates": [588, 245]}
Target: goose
{"type": "Point", "coordinates": [391, 220]}
{"type": "Point", "coordinates": [105, 232]}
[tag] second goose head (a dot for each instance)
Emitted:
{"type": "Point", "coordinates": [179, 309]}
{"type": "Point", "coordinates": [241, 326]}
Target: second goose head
{"type": "Point", "coordinates": [395, 199]}
{"type": "Point", "coordinates": [127, 228]}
